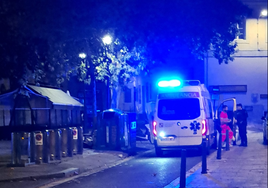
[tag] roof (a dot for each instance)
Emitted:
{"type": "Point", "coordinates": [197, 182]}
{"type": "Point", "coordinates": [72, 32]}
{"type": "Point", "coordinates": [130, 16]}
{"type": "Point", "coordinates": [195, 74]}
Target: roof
{"type": "Point", "coordinates": [56, 96]}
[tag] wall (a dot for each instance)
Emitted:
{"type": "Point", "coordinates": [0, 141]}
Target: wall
{"type": "Point", "coordinates": [249, 68]}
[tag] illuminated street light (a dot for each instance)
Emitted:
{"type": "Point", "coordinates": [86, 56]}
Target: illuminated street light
{"type": "Point", "coordinates": [82, 55]}
{"type": "Point", "coordinates": [107, 39]}
{"type": "Point", "coordinates": [264, 13]}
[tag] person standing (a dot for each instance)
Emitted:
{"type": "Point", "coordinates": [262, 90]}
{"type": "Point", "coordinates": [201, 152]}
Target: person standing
{"type": "Point", "coordinates": [224, 127]}
{"type": "Point", "coordinates": [241, 116]}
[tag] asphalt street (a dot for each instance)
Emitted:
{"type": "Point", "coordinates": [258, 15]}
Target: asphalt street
{"type": "Point", "coordinates": [145, 171]}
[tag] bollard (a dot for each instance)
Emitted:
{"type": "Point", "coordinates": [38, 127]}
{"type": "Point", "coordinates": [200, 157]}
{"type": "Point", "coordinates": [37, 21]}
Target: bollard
{"type": "Point", "coordinates": [15, 148]}
{"type": "Point", "coordinates": [52, 144]}
{"type": "Point", "coordinates": [75, 139]}
{"type": "Point", "coordinates": [204, 157]}
{"type": "Point", "coordinates": [38, 147]}
{"type": "Point", "coordinates": [70, 142]}
{"type": "Point", "coordinates": [80, 141]}
{"type": "Point", "coordinates": [58, 141]}
{"type": "Point", "coordinates": [46, 149]}
{"type": "Point", "coordinates": [183, 169]}
{"type": "Point", "coordinates": [219, 147]}
{"type": "Point", "coordinates": [64, 140]}
{"type": "Point", "coordinates": [227, 141]}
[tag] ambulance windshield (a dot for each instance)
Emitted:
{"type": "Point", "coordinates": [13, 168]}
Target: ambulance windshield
{"type": "Point", "coordinates": [179, 109]}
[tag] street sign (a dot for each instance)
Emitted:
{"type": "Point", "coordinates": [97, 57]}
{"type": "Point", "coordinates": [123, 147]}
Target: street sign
{"type": "Point", "coordinates": [38, 139]}
{"type": "Point", "coordinates": [75, 137]}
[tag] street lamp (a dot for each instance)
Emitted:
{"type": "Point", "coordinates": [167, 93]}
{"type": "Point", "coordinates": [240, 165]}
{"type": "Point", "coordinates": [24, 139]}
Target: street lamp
{"type": "Point", "coordinates": [107, 39]}
{"type": "Point", "coordinates": [83, 57]}
{"type": "Point", "coordinates": [263, 13]}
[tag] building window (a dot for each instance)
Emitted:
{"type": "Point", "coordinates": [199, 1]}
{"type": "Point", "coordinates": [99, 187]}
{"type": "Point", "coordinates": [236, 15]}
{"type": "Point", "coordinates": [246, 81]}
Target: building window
{"type": "Point", "coordinates": [127, 95]}
{"type": "Point", "coordinates": [241, 30]}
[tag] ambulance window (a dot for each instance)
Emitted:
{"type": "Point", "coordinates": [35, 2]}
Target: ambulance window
{"type": "Point", "coordinates": [179, 109]}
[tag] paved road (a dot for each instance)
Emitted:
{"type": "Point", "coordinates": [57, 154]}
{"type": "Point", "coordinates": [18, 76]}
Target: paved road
{"type": "Point", "coordinates": [145, 171]}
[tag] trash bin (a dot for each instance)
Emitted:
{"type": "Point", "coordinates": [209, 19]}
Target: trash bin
{"type": "Point", "coordinates": [74, 139]}
{"type": "Point", "coordinates": [113, 127]}
{"type": "Point", "coordinates": [25, 147]}
{"type": "Point", "coordinates": [46, 144]}
{"type": "Point", "coordinates": [132, 127]}
{"type": "Point", "coordinates": [58, 142]}
{"type": "Point", "coordinates": [52, 144]}
{"type": "Point", "coordinates": [80, 141]}
{"type": "Point", "coordinates": [64, 142]}
{"type": "Point", "coordinates": [15, 148]}
{"type": "Point", "coordinates": [38, 147]}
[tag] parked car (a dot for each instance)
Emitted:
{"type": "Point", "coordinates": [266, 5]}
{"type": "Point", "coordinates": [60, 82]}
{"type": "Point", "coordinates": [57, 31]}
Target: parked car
{"type": "Point", "coordinates": [265, 128]}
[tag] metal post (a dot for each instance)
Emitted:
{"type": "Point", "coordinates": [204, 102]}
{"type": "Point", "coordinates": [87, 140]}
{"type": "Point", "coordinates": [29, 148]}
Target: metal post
{"type": "Point", "coordinates": [183, 169]}
{"type": "Point", "coordinates": [204, 157]}
{"type": "Point", "coordinates": [219, 147]}
{"type": "Point", "coordinates": [227, 140]}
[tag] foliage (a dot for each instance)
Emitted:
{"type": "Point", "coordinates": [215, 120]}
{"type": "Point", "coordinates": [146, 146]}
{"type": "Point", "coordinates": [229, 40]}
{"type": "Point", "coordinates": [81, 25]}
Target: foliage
{"type": "Point", "coordinates": [40, 40]}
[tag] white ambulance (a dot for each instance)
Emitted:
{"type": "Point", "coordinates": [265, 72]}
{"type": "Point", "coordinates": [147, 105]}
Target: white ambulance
{"type": "Point", "coordinates": [183, 117]}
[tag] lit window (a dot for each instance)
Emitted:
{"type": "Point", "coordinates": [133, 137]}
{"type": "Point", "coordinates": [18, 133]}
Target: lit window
{"type": "Point", "coordinates": [241, 30]}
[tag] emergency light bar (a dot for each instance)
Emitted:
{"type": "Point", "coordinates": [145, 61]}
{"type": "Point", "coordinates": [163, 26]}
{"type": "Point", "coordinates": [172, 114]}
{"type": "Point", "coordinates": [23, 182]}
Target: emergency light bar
{"type": "Point", "coordinates": [170, 83]}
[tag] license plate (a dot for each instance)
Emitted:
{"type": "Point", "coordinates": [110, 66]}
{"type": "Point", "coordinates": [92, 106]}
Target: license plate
{"type": "Point", "coordinates": [167, 139]}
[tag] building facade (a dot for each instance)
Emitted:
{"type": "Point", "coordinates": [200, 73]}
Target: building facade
{"type": "Point", "coordinates": [246, 77]}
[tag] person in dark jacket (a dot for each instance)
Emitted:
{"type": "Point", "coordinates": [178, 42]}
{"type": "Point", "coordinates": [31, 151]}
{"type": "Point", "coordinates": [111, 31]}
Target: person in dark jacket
{"type": "Point", "coordinates": [241, 116]}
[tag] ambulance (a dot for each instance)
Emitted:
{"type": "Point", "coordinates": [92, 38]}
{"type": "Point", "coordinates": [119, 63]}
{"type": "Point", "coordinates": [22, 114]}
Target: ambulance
{"type": "Point", "coordinates": [183, 116]}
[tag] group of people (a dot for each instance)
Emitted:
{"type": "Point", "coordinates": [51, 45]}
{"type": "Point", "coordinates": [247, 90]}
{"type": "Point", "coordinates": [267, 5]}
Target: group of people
{"type": "Point", "coordinates": [240, 116]}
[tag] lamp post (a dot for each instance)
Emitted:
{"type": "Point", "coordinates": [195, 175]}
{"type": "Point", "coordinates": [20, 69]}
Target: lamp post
{"type": "Point", "coordinates": [107, 39]}
{"type": "Point", "coordinates": [83, 57]}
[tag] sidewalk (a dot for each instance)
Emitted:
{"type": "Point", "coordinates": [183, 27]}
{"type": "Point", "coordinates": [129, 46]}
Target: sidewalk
{"type": "Point", "coordinates": [91, 161]}
{"type": "Point", "coordinates": [239, 167]}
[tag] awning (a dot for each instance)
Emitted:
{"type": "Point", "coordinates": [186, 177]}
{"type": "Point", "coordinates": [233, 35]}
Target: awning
{"type": "Point", "coordinates": [56, 96]}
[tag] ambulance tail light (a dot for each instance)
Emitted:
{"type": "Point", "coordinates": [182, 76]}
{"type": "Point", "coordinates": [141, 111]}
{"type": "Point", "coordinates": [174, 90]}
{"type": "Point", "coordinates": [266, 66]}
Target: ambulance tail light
{"type": "Point", "coordinates": [154, 128]}
{"type": "Point", "coordinates": [204, 127]}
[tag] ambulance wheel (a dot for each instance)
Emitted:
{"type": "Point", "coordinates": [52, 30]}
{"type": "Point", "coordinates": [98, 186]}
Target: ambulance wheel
{"type": "Point", "coordinates": [158, 151]}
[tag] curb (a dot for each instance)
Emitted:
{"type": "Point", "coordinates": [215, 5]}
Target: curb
{"type": "Point", "coordinates": [191, 171]}
{"type": "Point", "coordinates": [65, 173]}
{"type": "Point", "coordinates": [73, 172]}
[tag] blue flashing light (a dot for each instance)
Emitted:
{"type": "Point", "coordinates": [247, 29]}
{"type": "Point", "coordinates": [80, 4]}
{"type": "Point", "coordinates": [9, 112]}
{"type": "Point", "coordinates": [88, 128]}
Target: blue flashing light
{"type": "Point", "coordinates": [174, 83]}
{"type": "Point", "coordinates": [163, 83]}
{"type": "Point", "coordinates": [171, 83]}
